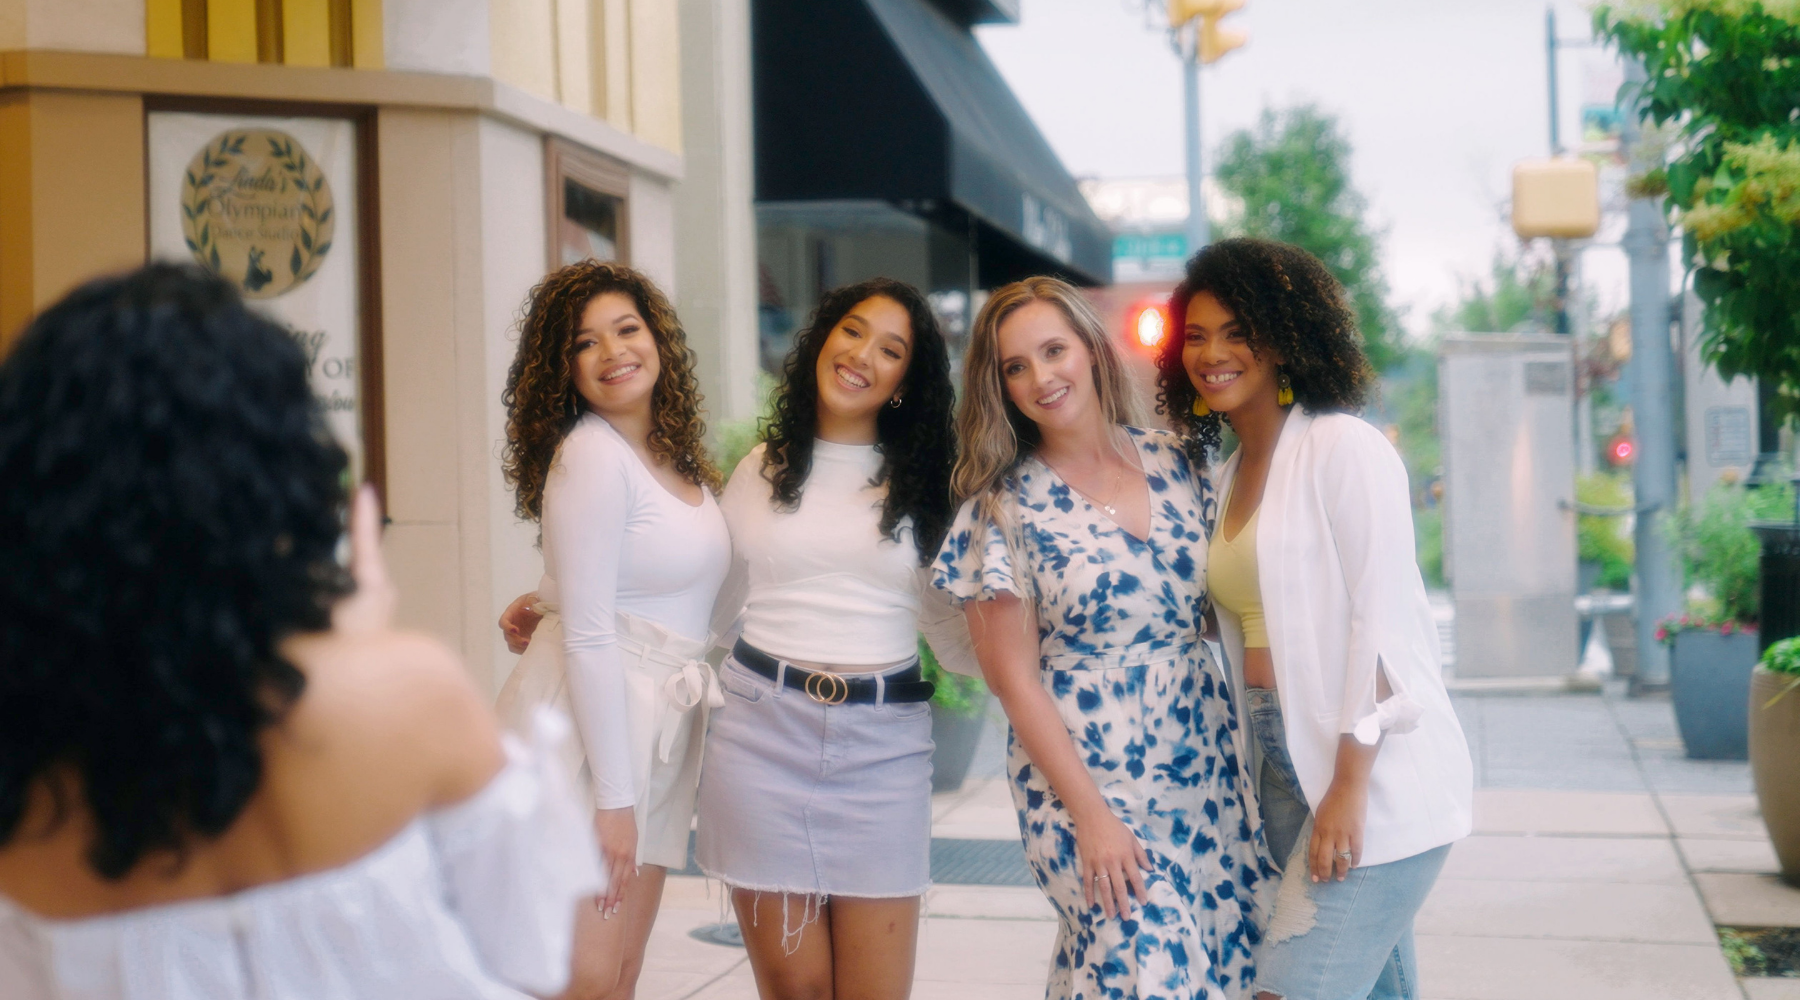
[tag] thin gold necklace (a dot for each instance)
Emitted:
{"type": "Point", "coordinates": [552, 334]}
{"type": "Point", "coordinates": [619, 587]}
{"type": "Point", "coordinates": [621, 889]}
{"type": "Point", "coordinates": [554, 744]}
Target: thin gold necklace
{"type": "Point", "coordinates": [1118, 478]}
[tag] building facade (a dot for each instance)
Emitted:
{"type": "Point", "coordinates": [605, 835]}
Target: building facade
{"type": "Point", "coordinates": [390, 178]}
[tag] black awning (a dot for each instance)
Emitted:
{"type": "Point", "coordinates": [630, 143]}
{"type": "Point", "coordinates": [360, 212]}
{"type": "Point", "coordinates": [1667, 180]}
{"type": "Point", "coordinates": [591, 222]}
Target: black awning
{"type": "Point", "coordinates": [892, 100]}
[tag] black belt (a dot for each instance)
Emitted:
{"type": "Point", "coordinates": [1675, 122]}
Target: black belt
{"type": "Point", "coordinates": [828, 688]}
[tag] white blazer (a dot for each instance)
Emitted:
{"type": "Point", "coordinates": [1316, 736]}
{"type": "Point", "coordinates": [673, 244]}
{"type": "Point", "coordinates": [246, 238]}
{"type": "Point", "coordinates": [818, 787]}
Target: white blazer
{"type": "Point", "coordinates": [1341, 593]}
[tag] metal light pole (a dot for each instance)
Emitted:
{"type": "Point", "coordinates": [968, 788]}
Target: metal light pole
{"type": "Point", "coordinates": [1646, 245]}
{"type": "Point", "coordinates": [1199, 228]}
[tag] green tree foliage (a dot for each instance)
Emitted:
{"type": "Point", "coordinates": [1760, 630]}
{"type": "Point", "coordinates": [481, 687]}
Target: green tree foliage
{"type": "Point", "coordinates": [1719, 551]}
{"type": "Point", "coordinates": [1603, 539]}
{"type": "Point", "coordinates": [1727, 73]}
{"type": "Point", "coordinates": [1292, 172]}
{"type": "Point", "coordinates": [1516, 295]}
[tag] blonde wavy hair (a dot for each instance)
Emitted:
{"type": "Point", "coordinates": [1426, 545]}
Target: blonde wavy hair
{"type": "Point", "coordinates": [543, 405]}
{"type": "Point", "coordinates": [994, 436]}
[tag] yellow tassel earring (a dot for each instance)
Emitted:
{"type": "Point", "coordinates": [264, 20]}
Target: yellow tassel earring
{"type": "Point", "coordinates": [1284, 394]}
{"type": "Point", "coordinates": [1200, 407]}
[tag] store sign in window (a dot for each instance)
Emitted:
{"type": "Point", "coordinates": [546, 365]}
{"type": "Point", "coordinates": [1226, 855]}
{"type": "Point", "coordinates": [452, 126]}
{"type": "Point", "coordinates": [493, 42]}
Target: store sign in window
{"type": "Point", "coordinates": [270, 204]}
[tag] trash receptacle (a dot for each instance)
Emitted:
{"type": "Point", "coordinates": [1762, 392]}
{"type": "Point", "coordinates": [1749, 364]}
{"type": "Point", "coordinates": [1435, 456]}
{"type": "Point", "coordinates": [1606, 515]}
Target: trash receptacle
{"type": "Point", "coordinates": [1780, 581]}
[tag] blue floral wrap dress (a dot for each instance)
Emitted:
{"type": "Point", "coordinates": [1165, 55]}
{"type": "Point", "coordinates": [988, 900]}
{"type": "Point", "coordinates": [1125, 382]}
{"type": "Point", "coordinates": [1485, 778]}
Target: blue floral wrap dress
{"type": "Point", "coordinates": [1146, 706]}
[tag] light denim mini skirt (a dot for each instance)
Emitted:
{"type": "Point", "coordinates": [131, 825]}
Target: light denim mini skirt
{"type": "Point", "coordinates": [798, 796]}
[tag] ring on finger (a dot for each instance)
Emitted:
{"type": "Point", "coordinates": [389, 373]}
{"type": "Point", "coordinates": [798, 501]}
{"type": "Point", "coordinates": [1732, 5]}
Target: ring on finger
{"type": "Point", "coordinates": [1343, 854]}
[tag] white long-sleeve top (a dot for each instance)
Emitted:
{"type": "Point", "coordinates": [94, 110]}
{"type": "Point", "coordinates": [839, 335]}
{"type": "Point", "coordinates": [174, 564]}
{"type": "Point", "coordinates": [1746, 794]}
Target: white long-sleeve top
{"type": "Point", "coordinates": [821, 582]}
{"type": "Point", "coordinates": [616, 540]}
{"type": "Point", "coordinates": [1344, 602]}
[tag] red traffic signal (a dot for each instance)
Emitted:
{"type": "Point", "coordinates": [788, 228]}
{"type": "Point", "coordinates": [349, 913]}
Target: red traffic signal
{"type": "Point", "coordinates": [1146, 325]}
{"type": "Point", "coordinates": [1621, 450]}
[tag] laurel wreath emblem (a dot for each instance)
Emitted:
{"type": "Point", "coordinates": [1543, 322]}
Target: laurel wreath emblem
{"type": "Point", "coordinates": [260, 174]}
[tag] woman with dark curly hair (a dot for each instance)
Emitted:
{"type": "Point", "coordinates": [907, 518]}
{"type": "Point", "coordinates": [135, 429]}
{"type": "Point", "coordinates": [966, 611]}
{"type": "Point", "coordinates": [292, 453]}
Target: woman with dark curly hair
{"type": "Point", "coordinates": [1363, 772]}
{"type": "Point", "coordinates": [222, 773]}
{"type": "Point", "coordinates": [604, 446]}
{"type": "Point", "coordinates": [815, 805]}
{"type": "Point", "coordinates": [1072, 558]}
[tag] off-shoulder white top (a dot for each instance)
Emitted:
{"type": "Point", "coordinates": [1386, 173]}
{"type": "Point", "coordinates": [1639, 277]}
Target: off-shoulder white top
{"type": "Point", "coordinates": [476, 901]}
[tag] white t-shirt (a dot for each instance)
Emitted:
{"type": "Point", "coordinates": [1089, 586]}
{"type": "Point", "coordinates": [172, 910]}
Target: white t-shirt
{"type": "Point", "coordinates": [821, 583]}
{"type": "Point", "coordinates": [616, 540]}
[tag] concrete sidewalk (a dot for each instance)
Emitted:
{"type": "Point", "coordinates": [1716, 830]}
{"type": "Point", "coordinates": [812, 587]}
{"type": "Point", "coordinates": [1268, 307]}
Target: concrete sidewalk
{"type": "Point", "coordinates": [1601, 861]}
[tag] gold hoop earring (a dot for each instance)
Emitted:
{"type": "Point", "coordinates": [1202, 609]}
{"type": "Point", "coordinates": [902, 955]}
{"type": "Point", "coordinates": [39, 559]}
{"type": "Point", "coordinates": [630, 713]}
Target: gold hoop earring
{"type": "Point", "coordinates": [1200, 407]}
{"type": "Point", "coordinates": [1284, 394]}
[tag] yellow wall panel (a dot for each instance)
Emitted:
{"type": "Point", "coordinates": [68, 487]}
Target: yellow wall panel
{"type": "Point", "coordinates": [162, 29]}
{"type": "Point", "coordinates": [71, 195]}
{"type": "Point", "coordinates": [366, 39]}
{"type": "Point", "coordinates": [575, 74]}
{"type": "Point", "coordinates": [15, 214]}
{"type": "Point", "coordinates": [614, 69]}
{"type": "Point", "coordinates": [656, 72]}
{"type": "Point", "coordinates": [522, 34]}
{"type": "Point", "coordinates": [306, 32]}
{"type": "Point", "coordinates": [231, 30]}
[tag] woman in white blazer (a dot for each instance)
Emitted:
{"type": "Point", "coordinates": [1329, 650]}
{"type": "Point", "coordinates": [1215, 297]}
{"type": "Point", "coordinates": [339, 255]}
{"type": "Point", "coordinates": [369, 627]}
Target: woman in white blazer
{"type": "Point", "coordinates": [1363, 774]}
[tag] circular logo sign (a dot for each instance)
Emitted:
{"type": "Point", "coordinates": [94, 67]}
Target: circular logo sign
{"type": "Point", "coordinates": [256, 210]}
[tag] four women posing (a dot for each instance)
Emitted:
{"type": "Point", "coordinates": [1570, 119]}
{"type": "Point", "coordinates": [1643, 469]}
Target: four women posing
{"type": "Point", "coordinates": [1161, 793]}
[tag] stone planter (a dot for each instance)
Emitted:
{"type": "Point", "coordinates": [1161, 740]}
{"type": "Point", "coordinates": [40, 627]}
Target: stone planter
{"type": "Point", "coordinates": [1709, 682]}
{"type": "Point", "coordinates": [955, 737]}
{"type": "Point", "coordinates": [1775, 764]}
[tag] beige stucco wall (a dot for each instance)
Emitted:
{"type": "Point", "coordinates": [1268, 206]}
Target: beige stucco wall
{"type": "Point", "coordinates": [73, 25]}
{"type": "Point", "coordinates": [71, 195]}
{"type": "Point", "coordinates": [512, 214]}
{"type": "Point", "coordinates": [618, 60]}
{"type": "Point", "coordinates": [715, 221]}
{"type": "Point", "coordinates": [434, 367]}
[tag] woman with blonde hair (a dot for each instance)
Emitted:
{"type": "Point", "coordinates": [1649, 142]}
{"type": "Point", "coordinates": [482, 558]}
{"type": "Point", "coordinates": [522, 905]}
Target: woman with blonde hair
{"type": "Point", "coordinates": [1077, 555]}
{"type": "Point", "coordinates": [1364, 775]}
{"type": "Point", "coordinates": [605, 448]}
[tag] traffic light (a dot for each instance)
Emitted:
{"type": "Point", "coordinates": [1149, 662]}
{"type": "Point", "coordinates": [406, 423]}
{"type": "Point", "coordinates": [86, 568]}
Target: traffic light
{"type": "Point", "coordinates": [1147, 324]}
{"type": "Point", "coordinates": [1215, 40]}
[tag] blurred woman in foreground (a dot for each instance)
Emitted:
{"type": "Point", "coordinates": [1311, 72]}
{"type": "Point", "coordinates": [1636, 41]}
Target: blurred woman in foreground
{"type": "Point", "coordinates": [222, 773]}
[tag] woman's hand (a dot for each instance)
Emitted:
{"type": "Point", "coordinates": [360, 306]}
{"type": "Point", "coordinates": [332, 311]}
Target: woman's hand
{"type": "Point", "coordinates": [1337, 837]}
{"type": "Point", "coordinates": [370, 607]}
{"type": "Point", "coordinates": [617, 832]}
{"type": "Point", "coordinates": [518, 621]}
{"type": "Point", "coordinates": [1111, 862]}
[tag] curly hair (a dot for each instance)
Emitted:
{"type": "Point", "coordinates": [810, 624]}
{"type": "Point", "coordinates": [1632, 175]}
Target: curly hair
{"type": "Point", "coordinates": [1286, 301]}
{"type": "Point", "coordinates": [543, 404]}
{"type": "Point", "coordinates": [917, 438]}
{"type": "Point", "coordinates": [172, 502]}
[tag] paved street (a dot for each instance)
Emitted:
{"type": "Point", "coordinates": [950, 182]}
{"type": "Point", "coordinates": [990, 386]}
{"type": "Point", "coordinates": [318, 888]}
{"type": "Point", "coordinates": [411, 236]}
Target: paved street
{"type": "Point", "coordinates": [1601, 861]}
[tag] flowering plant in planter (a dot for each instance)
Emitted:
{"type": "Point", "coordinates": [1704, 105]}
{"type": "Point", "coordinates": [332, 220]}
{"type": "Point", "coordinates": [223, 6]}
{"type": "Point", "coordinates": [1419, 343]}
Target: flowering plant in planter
{"type": "Point", "coordinates": [1669, 627]}
{"type": "Point", "coordinates": [1783, 658]}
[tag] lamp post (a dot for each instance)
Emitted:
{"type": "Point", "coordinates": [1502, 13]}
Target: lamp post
{"type": "Point", "coordinates": [1201, 40]}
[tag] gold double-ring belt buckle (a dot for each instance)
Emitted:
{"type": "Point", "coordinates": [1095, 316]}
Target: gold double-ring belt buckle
{"type": "Point", "coordinates": [827, 688]}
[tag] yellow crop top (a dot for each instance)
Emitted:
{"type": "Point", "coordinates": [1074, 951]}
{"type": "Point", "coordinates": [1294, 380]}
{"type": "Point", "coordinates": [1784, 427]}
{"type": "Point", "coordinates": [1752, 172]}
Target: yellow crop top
{"type": "Point", "coordinates": [1233, 581]}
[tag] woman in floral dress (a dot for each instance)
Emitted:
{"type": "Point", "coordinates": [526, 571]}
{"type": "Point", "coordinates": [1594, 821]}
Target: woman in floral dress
{"type": "Point", "coordinates": [1079, 556]}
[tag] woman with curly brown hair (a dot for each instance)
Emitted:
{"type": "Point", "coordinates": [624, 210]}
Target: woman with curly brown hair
{"type": "Point", "coordinates": [605, 450]}
{"type": "Point", "coordinates": [1363, 773]}
{"type": "Point", "coordinates": [815, 805]}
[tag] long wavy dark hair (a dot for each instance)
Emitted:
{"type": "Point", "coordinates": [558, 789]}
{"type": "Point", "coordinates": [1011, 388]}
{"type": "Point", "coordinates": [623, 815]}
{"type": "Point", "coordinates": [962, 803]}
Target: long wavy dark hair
{"type": "Point", "coordinates": [1285, 299]}
{"type": "Point", "coordinates": [171, 502]}
{"type": "Point", "coordinates": [543, 405]}
{"type": "Point", "coordinates": [917, 438]}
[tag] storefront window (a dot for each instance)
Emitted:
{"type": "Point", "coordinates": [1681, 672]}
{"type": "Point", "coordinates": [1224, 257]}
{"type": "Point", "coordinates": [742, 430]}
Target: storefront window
{"type": "Point", "coordinates": [587, 205]}
{"type": "Point", "coordinates": [590, 224]}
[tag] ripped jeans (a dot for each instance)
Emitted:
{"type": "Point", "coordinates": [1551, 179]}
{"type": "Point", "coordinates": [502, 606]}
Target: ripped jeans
{"type": "Point", "coordinates": [1349, 940]}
